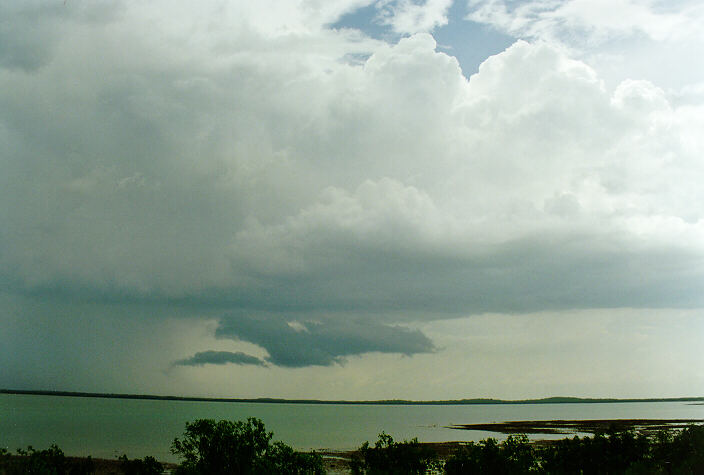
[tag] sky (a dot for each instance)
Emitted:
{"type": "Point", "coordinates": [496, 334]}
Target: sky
{"type": "Point", "coordinates": [352, 199]}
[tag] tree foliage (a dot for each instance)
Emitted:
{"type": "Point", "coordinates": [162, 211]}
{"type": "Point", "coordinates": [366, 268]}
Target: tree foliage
{"type": "Point", "coordinates": [513, 456]}
{"type": "Point", "coordinates": [239, 447]}
{"type": "Point", "coordinates": [147, 466]}
{"type": "Point", "coordinates": [389, 457]}
{"type": "Point", "coordinates": [51, 461]}
{"type": "Point", "coordinates": [612, 452]}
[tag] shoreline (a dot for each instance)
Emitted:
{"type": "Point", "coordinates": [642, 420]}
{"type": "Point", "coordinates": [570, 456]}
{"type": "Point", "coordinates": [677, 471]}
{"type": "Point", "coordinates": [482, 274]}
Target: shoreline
{"type": "Point", "coordinates": [577, 426]}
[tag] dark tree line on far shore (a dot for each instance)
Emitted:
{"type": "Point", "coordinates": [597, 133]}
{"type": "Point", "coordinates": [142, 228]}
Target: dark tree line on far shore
{"type": "Point", "coordinates": [245, 447]}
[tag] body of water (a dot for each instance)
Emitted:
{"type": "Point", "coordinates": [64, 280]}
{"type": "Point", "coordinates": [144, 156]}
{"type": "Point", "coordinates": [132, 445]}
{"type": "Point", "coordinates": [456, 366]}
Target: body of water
{"type": "Point", "coordinates": [107, 428]}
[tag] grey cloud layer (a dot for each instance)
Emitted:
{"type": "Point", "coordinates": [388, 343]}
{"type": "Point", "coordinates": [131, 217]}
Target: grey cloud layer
{"type": "Point", "coordinates": [296, 344]}
{"type": "Point", "coordinates": [256, 170]}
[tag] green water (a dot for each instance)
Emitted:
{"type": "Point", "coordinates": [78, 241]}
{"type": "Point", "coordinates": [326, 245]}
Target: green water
{"type": "Point", "coordinates": [107, 428]}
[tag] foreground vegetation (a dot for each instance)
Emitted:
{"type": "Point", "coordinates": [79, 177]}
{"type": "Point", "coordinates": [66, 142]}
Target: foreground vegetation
{"type": "Point", "coordinates": [613, 452]}
{"type": "Point", "coordinates": [609, 453]}
{"type": "Point", "coordinates": [245, 447]}
{"type": "Point", "coordinates": [242, 447]}
{"type": "Point", "coordinates": [52, 461]}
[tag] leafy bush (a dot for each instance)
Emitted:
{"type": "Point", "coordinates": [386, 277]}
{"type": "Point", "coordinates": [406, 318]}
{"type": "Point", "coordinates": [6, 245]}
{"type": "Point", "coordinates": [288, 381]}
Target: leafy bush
{"type": "Point", "coordinates": [147, 466]}
{"type": "Point", "coordinates": [4, 459]}
{"type": "Point", "coordinates": [603, 453]}
{"type": "Point", "coordinates": [283, 459]}
{"type": "Point", "coordinates": [239, 447]}
{"type": "Point", "coordinates": [682, 452]}
{"type": "Point", "coordinates": [513, 456]}
{"type": "Point", "coordinates": [624, 452]}
{"type": "Point", "coordinates": [50, 461]}
{"type": "Point", "coordinates": [389, 457]}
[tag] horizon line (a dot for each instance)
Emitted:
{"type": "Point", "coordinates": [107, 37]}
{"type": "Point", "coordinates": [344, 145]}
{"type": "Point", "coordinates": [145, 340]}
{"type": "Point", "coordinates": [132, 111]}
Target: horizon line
{"type": "Point", "coordinates": [273, 400]}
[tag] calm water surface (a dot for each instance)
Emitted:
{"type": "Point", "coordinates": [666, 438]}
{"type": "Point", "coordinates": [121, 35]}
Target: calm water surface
{"type": "Point", "coordinates": [107, 428]}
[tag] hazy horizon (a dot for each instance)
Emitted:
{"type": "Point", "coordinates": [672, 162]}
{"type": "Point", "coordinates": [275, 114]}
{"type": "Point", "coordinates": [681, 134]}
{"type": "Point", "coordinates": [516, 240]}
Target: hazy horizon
{"type": "Point", "coordinates": [273, 399]}
{"type": "Point", "coordinates": [352, 199]}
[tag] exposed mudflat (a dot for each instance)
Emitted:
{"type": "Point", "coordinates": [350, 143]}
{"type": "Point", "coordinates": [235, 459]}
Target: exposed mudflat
{"type": "Point", "coordinates": [582, 426]}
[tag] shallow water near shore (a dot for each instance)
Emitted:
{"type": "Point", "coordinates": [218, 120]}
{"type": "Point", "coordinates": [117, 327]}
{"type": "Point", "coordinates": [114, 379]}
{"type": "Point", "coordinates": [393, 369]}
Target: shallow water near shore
{"type": "Point", "coordinates": [107, 428]}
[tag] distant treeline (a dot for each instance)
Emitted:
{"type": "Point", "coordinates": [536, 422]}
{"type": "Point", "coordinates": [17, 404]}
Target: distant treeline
{"type": "Point", "coordinates": [547, 400]}
{"type": "Point", "coordinates": [245, 447]}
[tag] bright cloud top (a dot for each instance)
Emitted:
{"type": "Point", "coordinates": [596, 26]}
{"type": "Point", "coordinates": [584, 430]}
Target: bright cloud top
{"type": "Point", "coordinates": [596, 20]}
{"type": "Point", "coordinates": [407, 16]}
{"type": "Point", "coordinates": [652, 39]}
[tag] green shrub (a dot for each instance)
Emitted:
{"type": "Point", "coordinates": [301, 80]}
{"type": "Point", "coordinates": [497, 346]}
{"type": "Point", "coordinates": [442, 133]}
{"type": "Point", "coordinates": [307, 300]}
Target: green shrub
{"type": "Point", "coordinates": [4, 459]}
{"type": "Point", "coordinates": [147, 466]}
{"type": "Point", "coordinates": [283, 459]}
{"type": "Point", "coordinates": [51, 461]}
{"type": "Point", "coordinates": [239, 447]}
{"type": "Point", "coordinates": [615, 452]}
{"type": "Point", "coordinates": [681, 452]}
{"type": "Point", "coordinates": [389, 457]}
{"type": "Point", "coordinates": [513, 456]}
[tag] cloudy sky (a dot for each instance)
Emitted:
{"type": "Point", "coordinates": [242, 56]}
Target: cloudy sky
{"type": "Point", "coordinates": [352, 199]}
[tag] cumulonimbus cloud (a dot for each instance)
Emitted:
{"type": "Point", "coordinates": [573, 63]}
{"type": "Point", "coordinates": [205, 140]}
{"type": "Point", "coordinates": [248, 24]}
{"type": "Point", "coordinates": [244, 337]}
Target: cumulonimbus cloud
{"type": "Point", "coordinates": [261, 172]}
